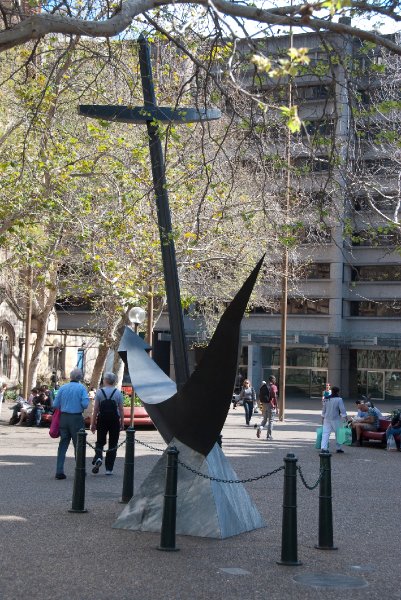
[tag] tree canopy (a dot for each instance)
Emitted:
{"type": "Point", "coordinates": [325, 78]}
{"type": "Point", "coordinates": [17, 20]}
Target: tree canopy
{"type": "Point", "coordinates": [32, 20]}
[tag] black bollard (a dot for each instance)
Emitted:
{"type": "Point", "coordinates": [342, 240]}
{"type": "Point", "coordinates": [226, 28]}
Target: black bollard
{"type": "Point", "coordinates": [325, 505]}
{"type": "Point", "coordinates": [167, 534]}
{"type": "Point", "coordinates": [128, 481]}
{"type": "Point", "coordinates": [78, 492]}
{"type": "Point", "coordinates": [289, 544]}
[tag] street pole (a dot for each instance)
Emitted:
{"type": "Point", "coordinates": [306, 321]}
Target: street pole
{"type": "Point", "coordinates": [28, 325]}
{"type": "Point", "coordinates": [284, 283]}
{"type": "Point", "coordinates": [283, 344]}
{"type": "Point", "coordinates": [149, 328]}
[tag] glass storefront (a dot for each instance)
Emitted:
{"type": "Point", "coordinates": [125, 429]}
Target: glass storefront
{"type": "Point", "coordinates": [378, 373]}
{"type": "Point", "coordinates": [306, 372]}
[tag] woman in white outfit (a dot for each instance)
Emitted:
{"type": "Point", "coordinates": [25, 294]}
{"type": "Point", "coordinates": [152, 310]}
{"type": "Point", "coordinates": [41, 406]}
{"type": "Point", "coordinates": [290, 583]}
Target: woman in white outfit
{"type": "Point", "coordinates": [332, 412]}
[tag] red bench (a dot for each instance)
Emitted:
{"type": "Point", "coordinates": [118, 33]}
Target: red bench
{"type": "Point", "coordinates": [141, 418]}
{"type": "Point", "coordinates": [380, 434]}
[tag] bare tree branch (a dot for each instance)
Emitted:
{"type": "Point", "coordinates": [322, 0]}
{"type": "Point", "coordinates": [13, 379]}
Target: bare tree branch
{"type": "Point", "coordinates": [39, 25]}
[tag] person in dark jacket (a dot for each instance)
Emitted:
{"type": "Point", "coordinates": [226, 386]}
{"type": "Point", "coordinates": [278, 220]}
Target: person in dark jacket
{"type": "Point", "coordinates": [107, 418]}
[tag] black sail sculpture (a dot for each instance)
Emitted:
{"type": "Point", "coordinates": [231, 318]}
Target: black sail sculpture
{"type": "Point", "coordinates": [195, 415]}
{"type": "Point", "coordinates": [191, 420]}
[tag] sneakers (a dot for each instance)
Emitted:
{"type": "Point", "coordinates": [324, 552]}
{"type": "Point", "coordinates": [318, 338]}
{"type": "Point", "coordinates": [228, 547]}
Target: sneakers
{"type": "Point", "coordinates": [258, 433]}
{"type": "Point", "coordinates": [340, 451]}
{"type": "Point", "coordinates": [98, 464]}
{"type": "Point", "coordinates": [61, 476]}
{"type": "Point", "coordinates": [109, 472]}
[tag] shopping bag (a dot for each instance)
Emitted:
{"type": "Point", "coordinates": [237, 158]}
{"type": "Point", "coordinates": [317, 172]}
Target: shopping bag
{"type": "Point", "coordinates": [54, 430]}
{"type": "Point", "coordinates": [391, 445]}
{"type": "Point", "coordinates": [344, 435]}
{"type": "Point", "coordinates": [319, 433]}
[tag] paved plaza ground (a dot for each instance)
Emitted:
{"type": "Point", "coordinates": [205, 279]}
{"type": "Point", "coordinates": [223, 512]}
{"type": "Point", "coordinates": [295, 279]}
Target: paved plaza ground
{"type": "Point", "coordinates": [48, 553]}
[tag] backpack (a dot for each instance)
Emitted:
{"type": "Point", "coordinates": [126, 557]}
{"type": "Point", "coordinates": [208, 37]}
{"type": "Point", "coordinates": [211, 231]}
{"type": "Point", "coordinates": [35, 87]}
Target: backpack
{"type": "Point", "coordinates": [265, 394]}
{"type": "Point", "coordinates": [108, 406]}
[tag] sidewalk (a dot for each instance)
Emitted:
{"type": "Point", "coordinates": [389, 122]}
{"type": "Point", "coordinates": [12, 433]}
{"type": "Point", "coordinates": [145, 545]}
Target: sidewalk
{"type": "Point", "coordinates": [48, 553]}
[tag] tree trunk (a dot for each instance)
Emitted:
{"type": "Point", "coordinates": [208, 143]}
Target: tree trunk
{"type": "Point", "coordinates": [41, 321]}
{"type": "Point", "coordinates": [118, 368]}
{"type": "Point", "coordinates": [99, 365]}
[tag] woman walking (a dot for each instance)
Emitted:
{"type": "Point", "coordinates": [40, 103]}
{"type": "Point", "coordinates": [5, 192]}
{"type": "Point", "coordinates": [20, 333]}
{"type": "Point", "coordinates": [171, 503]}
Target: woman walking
{"type": "Point", "coordinates": [248, 397]}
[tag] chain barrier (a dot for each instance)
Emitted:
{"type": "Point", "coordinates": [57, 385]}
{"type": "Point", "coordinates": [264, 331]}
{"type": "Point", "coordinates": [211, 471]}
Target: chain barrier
{"type": "Point", "coordinates": [218, 480]}
{"type": "Point", "coordinates": [310, 487]}
{"type": "Point", "coordinates": [148, 446]}
{"type": "Point", "coordinates": [110, 449]}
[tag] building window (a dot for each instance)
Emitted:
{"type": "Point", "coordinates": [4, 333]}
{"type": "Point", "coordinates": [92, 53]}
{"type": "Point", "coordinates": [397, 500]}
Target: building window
{"type": "Point", "coordinates": [321, 127]}
{"type": "Point", "coordinates": [81, 359]}
{"type": "Point", "coordinates": [314, 92]}
{"type": "Point", "coordinates": [296, 357]}
{"type": "Point", "coordinates": [307, 306]}
{"type": "Point", "coordinates": [317, 271]}
{"type": "Point", "coordinates": [372, 237]}
{"type": "Point", "coordinates": [297, 306]}
{"type": "Point", "coordinates": [367, 308]}
{"type": "Point", "coordinates": [55, 359]}
{"type": "Point", "coordinates": [383, 202]}
{"type": "Point", "coordinates": [305, 164]}
{"type": "Point", "coordinates": [313, 235]}
{"type": "Point", "coordinates": [6, 345]}
{"type": "Point", "coordinates": [376, 273]}
{"type": "Point", "coordinates": [380, 166]}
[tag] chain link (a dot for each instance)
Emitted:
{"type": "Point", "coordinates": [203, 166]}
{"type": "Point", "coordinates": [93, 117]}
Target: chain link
{"type": "Point", "coordinates": [228, 480]}
{"type": "Point", "coordinates": [310, 487]}
{"type": "Point", "coordinates": [148, 446]}
{"type": "Point", "coordinates": [110, 449]}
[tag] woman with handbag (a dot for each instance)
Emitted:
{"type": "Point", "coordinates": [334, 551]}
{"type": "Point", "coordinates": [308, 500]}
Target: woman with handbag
{"type": "Point", "coordinates": [332, 412]}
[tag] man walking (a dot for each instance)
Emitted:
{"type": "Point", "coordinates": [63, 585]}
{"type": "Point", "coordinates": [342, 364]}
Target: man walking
{"type": "Point", "coordinates": [107, 418]}
{"type": "Point", "coordinates": [72, 399]}
{"type": "Point", "coordinates": [268, 399]}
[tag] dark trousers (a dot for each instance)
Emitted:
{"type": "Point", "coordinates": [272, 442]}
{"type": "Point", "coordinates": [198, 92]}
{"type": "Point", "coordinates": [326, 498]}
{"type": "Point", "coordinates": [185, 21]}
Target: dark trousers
{"type": "Point", "coordinates": [107, 425]}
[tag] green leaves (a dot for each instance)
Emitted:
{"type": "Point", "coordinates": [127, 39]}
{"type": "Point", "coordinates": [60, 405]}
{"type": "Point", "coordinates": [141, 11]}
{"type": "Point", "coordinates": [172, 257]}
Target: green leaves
{"type": "Point", "coordinates": [291, 117]}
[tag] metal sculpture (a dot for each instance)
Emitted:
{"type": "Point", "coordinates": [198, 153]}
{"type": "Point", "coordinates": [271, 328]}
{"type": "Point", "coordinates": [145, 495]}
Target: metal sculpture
{"type": "Point", "coordinates": [192, 419]}
{"type": "Point", "coordinates": [150, 114]}
{"type": "Point", "coordinates": [195, 415]}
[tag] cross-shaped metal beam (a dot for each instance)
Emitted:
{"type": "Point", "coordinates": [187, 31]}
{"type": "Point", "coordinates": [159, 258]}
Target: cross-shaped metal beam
{"type": "Point", "coordinates": [150, 114]}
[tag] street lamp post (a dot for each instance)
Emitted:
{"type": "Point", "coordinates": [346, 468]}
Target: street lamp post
{"type": "Point", "coordinates": [136, 315]}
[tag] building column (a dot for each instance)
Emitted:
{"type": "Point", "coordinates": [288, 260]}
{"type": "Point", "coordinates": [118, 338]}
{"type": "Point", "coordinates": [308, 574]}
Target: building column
{"type": "Point", "coordinates": [335, 366]}
{"type": "Point", "coordinates": [345, 372]}
{"type": "Point", "coordinates": [255, 365]}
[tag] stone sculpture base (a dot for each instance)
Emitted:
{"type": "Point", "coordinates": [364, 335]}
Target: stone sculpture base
{"type": "Point", "coordinates": [204, 508]}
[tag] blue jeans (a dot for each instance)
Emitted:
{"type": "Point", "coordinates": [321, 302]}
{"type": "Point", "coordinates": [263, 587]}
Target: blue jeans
{"type": "Point", "coordinates": [268, 417]}
{"type": "Point", "coordinates": [248, 406]}
{"type": "Point", "coordinates": [394, 431]}
{"type": "Point", "coordinates": [38, 415]}
{"type": "Point", "coordinates": [69, 426]}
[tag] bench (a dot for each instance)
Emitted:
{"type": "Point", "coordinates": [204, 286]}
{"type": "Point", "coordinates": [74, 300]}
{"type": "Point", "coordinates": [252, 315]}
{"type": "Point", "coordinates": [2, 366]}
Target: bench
{"type": "Point", "coordinates": [141, 418]}
{"type": "Point", "coordinates": [380, 434]}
